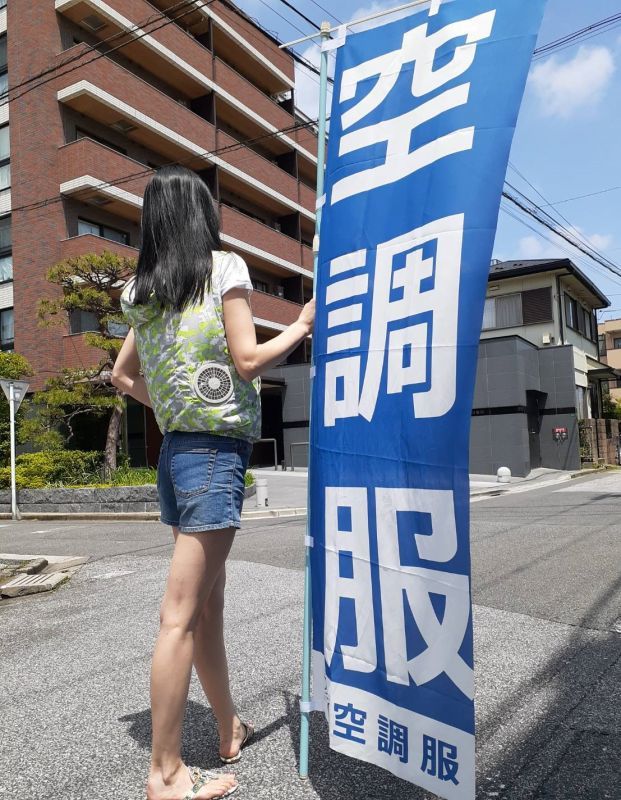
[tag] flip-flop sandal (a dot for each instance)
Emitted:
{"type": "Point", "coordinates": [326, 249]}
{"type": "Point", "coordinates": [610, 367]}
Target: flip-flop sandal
{"type": "Point", "coordinates": [201, 777]}
{"type": "Point", "coordinates": [249, 728]}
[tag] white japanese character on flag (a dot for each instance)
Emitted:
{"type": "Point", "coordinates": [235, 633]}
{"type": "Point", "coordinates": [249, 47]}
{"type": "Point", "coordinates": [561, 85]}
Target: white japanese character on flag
{"type": "Point", "coordinates": [423, 293]}
{"type": "Point", "coordinates": [423, 50]}
{"type": "Point", "coordinates": [415, 585]}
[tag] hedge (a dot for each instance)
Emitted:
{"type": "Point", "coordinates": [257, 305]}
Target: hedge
{"type": "Point", "coordinates": [53, 468]}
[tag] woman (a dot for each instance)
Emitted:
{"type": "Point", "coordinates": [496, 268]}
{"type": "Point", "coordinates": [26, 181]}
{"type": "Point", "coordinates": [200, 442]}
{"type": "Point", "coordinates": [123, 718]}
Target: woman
{"type": "Point", "coordinates": [192, 355]}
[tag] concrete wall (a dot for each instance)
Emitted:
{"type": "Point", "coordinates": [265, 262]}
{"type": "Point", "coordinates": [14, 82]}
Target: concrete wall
{"type": "Point", "coordinates": [296, 407]}
{"type": "Point", "coordinates": [508, 368]}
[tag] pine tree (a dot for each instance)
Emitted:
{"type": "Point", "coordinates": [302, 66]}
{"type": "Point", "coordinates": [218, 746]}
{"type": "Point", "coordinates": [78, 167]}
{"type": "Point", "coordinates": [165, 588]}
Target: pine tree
{"type": "Point", "coordinates": [90, 283]}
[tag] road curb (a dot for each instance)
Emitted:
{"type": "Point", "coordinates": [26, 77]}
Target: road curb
{"type": "Point", "coordinates": [128, 516]}
{"type": "Point", "coordinates": [266, 513]}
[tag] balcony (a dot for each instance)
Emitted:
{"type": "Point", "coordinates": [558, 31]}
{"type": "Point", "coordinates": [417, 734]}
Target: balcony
{"type": "Point", "coordinates": [273, 312]}
{"type": "Point", "coordinates": [98, 176]}
{"type": "Point", "coordinates": [76, 246]}
{"type": "Point", "coordinates": [254, 109]}
{"type": "Point", "coordinates": [104, 91]}
{"type": "Point", "coordinates": [243, 42]}
{"type": "Point", "coordinates": [266, 245]}
{"type": "Point", "coordinates": [241, 163]}
{"type": "Point", "coordinates": [168, 52]}
{"type": "Point", "coordinates": [308, 259]}
{"type": "Point", "coordinates": [77, 354]}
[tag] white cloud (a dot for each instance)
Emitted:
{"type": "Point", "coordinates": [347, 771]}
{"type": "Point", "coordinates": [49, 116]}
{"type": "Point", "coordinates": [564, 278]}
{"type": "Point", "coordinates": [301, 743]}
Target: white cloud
{"type": "Point", "coordinates": [532, 247]}
{"type": "Point", "coordinates": [567, 87]}
{"type": "Point", "coordinates": [600, 241]}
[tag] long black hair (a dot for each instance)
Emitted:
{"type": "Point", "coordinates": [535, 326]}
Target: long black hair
{"type": "Point", "coordinates": [180, 229]}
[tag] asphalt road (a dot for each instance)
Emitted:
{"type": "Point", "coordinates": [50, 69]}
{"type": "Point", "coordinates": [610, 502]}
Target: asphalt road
{"type": "Point", "coordinates": [74, 708]}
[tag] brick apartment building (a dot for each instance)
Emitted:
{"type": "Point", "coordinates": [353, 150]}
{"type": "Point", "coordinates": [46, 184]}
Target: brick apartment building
{"type": "Point", "coordinates": [200, 82]}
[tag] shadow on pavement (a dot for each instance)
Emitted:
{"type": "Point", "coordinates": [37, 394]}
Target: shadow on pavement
{"type": "Point", "coordinates": [199, 744]}
{"type": "Point", "coordinates": [573, 750]}
{"type": "Point", "coordinates": [334, 776]}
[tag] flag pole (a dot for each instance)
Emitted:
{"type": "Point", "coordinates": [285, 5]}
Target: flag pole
{"type": "Point", "coordinates": [307, 647]}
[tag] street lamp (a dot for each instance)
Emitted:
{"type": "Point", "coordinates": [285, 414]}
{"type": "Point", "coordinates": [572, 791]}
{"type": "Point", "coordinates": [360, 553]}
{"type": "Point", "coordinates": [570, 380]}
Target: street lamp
{"type": "Point", "coordinates": [15, 392]}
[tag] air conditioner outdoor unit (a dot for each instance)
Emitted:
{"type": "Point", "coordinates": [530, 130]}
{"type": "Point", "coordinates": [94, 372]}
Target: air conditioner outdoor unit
{"type": "Point", "coordinates": [547, 338]}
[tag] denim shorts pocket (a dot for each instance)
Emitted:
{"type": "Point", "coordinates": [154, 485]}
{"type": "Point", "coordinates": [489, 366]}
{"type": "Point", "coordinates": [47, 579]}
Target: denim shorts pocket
{"type": "Point", "coordinates": [191, 471]}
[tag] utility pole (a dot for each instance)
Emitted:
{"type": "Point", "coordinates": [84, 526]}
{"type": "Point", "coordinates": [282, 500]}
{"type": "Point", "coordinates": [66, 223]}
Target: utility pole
{"type": "Point", "coordinates": [15, 392]}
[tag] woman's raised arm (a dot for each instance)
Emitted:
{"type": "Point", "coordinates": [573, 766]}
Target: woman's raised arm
{"type": "Point", "coordinates": [250, 358]}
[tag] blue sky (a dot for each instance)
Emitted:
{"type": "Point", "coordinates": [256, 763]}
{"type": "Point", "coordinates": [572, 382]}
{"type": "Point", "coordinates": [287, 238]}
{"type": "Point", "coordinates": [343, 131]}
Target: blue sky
{"type": "Point", "coordinates": [567, 139]}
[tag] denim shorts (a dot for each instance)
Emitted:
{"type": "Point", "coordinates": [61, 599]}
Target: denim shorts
{"type": "Point", "coordinates": [200, 480]}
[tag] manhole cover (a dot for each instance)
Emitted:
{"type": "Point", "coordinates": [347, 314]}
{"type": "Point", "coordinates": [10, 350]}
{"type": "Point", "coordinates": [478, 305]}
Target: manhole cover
{"type": "Point", "coordinates": [31, 584]}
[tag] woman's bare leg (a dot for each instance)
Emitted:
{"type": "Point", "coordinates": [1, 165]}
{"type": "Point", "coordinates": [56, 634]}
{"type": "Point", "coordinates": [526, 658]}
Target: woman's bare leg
{"type": "Point", "coordinates": [197, 562]}
{"type": "Point", "coordinates": [212, 668]}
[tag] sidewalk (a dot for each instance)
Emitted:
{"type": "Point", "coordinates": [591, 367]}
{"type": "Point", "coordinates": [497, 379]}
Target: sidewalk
{"type": "Point", "coordinates": [287, 495]}
{"type": "Point", "coordinates": [287, 490]}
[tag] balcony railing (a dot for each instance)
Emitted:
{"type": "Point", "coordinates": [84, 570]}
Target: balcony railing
{"type": "Point", "coordinates": [86, 158]}
{"type": "Point", "coordinates": [285, 251]}
{"type": "Point", "coordinates": [114, 96]}
{"type": "Point", "coordinates": [274, 309]}
{"type": "Point", "coordinates": [76, 246]}
{"type": "Point", "coordinates": [167, 51]}
{"type": "Point", "coordinates": [242, 41]}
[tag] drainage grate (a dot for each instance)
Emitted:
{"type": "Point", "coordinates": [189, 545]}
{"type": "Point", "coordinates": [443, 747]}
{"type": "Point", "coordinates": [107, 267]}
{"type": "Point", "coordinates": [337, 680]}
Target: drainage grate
{"type": "Point", "coordinates": [31, 584]}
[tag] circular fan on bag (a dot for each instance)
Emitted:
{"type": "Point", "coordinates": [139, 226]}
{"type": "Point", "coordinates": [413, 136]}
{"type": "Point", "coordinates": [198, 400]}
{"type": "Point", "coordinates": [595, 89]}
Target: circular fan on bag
{"type": "Point", "coordinates": [213, 383]}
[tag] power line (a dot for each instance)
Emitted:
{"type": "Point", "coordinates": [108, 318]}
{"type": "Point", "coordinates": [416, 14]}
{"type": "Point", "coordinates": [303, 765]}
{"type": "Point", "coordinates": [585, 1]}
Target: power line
{"type": "Point", "coordinates": [562, 234]}
{"type": "Point", "coordinates": [572, 230]}
{"type": "Point", "coordinates": [300, 59]}
{"type": "Point", "coordinates": [576, 241]}
{"type": "Point", "coordinates": [325, 10]}
{"type": "Point", "coordinates": [296, 56]}
{"type": "Point", "coordinates": [148, 171]}
{"type": "Point", "coordinates": [151, 20]}
{"type": "Point", "coordinates": [560, 245]}
{"type": "Point", "coordinates": [595, 28]}
{"type": "Point", "coordinates": [300, 14]}
{"type": "Point", "coordinates": [583, 196]}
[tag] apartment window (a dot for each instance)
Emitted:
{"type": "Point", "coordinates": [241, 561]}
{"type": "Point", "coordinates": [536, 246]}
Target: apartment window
{"type": "Point", "coordinates": [537, 306]}
{"type": "Point", "coordinates": [6, 258]}
{"type": "Point", "coordinates": [580, 319]}
{"type": "Point", "coordinates": [5, 158]}
{"type": "Point", "coordinates": [260, 286]}
{"type": "Point", "coordinates": [503, 312]}
{"type": "Point", "coordinates": [522, 308]}
{"type": "Point", "coordinates": [105, 232]}
{"type": "Point", "coordinates": [594, 326]}
{"type": "Point", "coordinates": [120, 329]}
{"type": "Point", "coordinates": [4, 75]}
{"type": "Point", "coordinates": [616, 343]}
{"type": "Point", "coordinates": [6, 329]}
{"type": "Point", "coordinates": [82, 321]}
{"type": "Point", "coordinates": [6, 268]}
{"type": "Point", "coordinates": [601, 345]}
{"type": "Point", "coordinates": [571, 312]}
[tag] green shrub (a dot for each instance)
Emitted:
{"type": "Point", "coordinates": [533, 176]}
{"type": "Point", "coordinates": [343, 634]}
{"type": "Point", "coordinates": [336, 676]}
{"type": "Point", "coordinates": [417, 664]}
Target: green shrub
{"type": "Point", "coordinates": [133, 476]}
{"type": "Point", "coordinates": [249, 479]}
{"type": "Point", "coordinates": [53, 468]}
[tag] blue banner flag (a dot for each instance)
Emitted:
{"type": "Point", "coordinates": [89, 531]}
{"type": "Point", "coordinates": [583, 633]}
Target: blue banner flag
{"type": "Point", "coordinates": [423, 115]}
